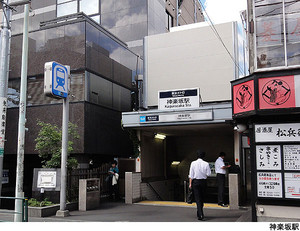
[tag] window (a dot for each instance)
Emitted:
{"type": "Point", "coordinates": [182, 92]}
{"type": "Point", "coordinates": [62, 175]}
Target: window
{"type": "Point", "coordinates": [66, 7]}
{"type": "Point", "coordinates": [89, 7]}
{"type": "Point", "coordinates": [277, 34]}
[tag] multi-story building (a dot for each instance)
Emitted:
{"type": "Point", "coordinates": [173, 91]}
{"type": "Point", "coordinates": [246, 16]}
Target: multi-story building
{"type": "Point", "coordinates": [129, 20]}
{"type": "Point", "coordinates": [267, 103]}
{"type": "Point", "coordinates": [99, 45]}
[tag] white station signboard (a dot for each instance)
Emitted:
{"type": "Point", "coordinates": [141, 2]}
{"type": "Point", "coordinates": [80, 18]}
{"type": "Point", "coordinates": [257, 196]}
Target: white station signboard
{"type": "Point", "coordinates": [179, 99]}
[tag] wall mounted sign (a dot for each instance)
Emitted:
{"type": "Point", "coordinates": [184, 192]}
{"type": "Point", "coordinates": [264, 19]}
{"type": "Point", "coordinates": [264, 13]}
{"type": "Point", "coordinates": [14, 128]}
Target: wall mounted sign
{"type": "Point", "coordinates": [46, 179]}
{"type": "Point", "coordinates": [176, 117]}
{"type": "Point", "coordinates": [269, 184]}
{"type": "Point", "coordinates": [268, 157]}
{"type": "Point", "coordinates": [289, 132]}
{"type": "Point", "coordinates": [179, 99]}
{"type": "Point", "coordinates": [279, 92]}
{"type": "Point", "coordinates": [292, 185]}
{"type": "Point", "coordinates": [243, 97]}
{"type": "Point", "coordinates": [291, 155]}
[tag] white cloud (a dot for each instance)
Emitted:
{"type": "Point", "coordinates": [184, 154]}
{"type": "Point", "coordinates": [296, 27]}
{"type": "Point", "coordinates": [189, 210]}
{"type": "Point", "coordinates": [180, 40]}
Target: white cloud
{"type": "Point", "coordinates": [225, 10]}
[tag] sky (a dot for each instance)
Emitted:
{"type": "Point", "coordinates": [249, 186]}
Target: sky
{"type": "Point", "coordinates": [224, 10]}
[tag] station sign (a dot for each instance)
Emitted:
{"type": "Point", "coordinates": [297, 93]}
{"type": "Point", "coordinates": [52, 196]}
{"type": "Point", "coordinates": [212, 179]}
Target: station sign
{"type": "Point", "coordinates": [179, 99]}
{"type": "Point", "coordinates": [206, 115]}
{"type": "Point", "coordinates": [56, 80]}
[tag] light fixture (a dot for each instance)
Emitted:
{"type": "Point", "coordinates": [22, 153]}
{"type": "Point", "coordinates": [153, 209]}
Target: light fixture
{"type": "Point", "coordinates": [160, 136]}
{"type": "Point", "coordinates": [240, 127]}
{"type": "Point", "coordinates": [175, 163]}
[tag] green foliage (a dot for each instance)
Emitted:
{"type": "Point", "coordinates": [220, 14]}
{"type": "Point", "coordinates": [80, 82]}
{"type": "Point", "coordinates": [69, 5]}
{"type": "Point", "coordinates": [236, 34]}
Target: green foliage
{"type": "Point", "coordinates": [48, 144]}
{"type": "Point", "coordinates": [136, 142]}
{"type": "Point", "coordinates": [35, 203]}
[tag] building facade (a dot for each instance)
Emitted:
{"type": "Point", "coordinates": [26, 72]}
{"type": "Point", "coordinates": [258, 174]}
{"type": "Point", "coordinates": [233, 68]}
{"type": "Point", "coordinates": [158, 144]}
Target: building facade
{"type": "Point", "coordinates": [266, 103]}
{"type": "Point", "coordinates": [186, 121]}
{"type": "Point", "coordinates": [100, 41]}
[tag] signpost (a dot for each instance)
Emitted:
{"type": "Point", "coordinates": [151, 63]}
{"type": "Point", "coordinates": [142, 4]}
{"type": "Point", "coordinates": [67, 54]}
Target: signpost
{"type": "Point", "coordinates": [56, 86]}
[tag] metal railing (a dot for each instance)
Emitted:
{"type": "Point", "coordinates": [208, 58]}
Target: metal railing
{"type": "Point", "coordinates": [24, 212]}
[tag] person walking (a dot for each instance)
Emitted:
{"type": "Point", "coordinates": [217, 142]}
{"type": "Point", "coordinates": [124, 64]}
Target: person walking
{"type": "Point", "coordinates": [221, 171]}
{"type": "Point", "coordinates": [199, 171]}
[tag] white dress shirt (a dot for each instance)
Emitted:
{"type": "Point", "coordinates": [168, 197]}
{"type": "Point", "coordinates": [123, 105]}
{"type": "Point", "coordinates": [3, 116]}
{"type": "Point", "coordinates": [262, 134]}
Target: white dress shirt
{"type": "Point", "coordinates": [218, 166]}
{"type": "Point", "coordinates": [199, 169]}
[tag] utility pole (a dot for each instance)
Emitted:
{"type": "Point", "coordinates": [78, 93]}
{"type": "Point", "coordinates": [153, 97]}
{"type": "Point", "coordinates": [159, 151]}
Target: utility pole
{"type": "Point", "coordinates": [177, 12]}
{"type": "Point", "coordinates": [4, 71]}
{"type": "Point", "coordinates": [22, 119]}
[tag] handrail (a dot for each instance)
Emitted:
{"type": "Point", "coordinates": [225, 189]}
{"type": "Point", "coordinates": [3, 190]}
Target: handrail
{"type": "Point", "coordinates": [24, 212]}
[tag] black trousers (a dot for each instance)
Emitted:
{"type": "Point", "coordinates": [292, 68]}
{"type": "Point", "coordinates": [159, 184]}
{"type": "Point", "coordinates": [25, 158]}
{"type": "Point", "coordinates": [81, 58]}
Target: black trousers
{"type": "Point", "coordinates": [199, 189]}
{"type": "Point", "coordinates": [221, 187]}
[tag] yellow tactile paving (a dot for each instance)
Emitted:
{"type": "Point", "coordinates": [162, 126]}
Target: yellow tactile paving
{"type": "Point", "coordinates": [179, 204]}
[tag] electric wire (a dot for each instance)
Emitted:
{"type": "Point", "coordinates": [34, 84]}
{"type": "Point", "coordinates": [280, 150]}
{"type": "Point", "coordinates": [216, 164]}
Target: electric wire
{"type": "Point", "coordinates": [221, 40]}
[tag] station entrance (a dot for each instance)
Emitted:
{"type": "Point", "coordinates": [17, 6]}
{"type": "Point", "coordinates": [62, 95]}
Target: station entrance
{"type": "Point", "coordinates": [165, 161]}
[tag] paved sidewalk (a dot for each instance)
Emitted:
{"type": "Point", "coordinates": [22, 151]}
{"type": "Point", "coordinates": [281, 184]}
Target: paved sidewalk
{"type": "Point", "coordinates": [120, 212]}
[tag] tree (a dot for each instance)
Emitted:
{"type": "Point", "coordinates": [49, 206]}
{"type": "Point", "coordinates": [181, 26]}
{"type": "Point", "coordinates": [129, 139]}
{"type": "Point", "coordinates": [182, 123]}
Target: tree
{"type": "Point", "coordinates": [48, 144]}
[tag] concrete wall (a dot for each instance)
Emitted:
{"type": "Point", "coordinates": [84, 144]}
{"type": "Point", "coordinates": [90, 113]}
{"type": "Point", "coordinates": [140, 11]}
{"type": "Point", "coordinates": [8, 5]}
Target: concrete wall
{"type": "Point", "coordinates": [191, 58]}
{"type": "Point", "coordinates": [132, 187]}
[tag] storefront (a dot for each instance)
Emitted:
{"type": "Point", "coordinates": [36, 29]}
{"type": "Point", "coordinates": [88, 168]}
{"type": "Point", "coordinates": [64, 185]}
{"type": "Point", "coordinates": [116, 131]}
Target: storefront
{"type": "Point", "coordinates": [268, 104]}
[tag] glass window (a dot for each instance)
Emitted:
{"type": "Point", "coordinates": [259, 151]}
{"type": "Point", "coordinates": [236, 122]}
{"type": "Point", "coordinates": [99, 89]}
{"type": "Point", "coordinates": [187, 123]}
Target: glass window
{"type": "Point", "coordinates": [270, 36]}
{"type": "Point", "coordinates": [67, 8]}
{"type": "Point", "coordinates": [89, 6]}
{"type": "Point", "coordinates": [96, 18]}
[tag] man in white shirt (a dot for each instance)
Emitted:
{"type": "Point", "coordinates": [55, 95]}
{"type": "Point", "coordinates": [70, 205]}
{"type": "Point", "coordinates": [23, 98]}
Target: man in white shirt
{"type": "Point", "coordinates": [199, 171]}
{"type": "Point", "coordinates": [221, 171]}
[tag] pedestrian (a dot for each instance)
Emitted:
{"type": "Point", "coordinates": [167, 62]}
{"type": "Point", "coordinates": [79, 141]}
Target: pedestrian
{"type": "Point", "coordinates": [220, 168]}
{"type": "Point", "coordinates": [199, 171]}
{"type": "Point", "coordinates": [113, 175]}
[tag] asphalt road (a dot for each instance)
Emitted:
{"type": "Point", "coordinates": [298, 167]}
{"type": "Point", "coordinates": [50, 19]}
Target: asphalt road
{"type": "Point", "coordinates": [120, 212]}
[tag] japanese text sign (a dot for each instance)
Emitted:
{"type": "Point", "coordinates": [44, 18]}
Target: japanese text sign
{"type": "Point", "coordinates": [179, 99]}
{"type": "Point", "coordinates": [291, 157]}
{"type": "Point", "coordinates": [269, 184]}
{"type": "Point", "coordinates": [292, 185]}
{"type": "Point", "coordinates": [268, 157]}
{"type": "Point", "coordinates": [277, 132]}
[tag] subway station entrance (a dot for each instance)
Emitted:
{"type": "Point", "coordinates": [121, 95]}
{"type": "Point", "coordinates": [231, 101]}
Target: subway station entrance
{"type": "Point", "coordinates": [168, 147]}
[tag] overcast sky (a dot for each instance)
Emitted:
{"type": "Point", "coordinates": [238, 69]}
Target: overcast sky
{"type": "Point", "coordinates": [224, 10]}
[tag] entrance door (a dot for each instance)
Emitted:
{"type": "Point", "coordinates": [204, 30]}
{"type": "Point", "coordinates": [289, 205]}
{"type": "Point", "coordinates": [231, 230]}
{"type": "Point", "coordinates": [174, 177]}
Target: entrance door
{"type": "Point", "coordinates": [246, 173]}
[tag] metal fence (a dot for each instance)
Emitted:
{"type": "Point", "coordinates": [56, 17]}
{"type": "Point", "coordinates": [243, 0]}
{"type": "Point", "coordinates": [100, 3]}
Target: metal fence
{"type": "Point", "coordinates": [75, 175]}
{"type": "Point", "coordinates": [24, 212]}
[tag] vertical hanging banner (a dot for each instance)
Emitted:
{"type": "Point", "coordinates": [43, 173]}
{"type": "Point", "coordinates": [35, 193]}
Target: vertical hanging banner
{"type": "Point", "coordinates": [3, 109]}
